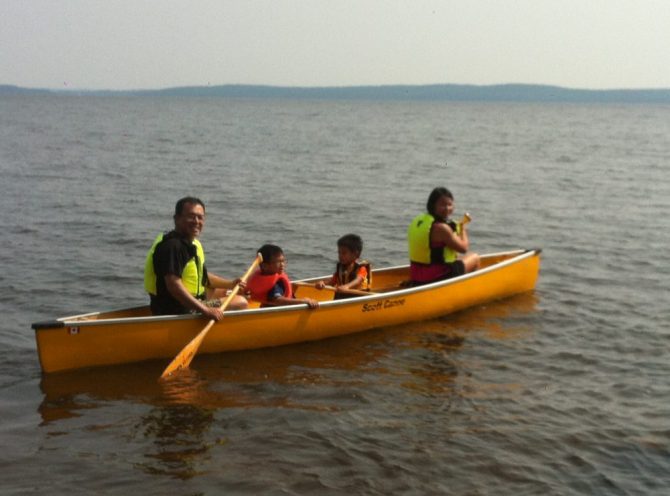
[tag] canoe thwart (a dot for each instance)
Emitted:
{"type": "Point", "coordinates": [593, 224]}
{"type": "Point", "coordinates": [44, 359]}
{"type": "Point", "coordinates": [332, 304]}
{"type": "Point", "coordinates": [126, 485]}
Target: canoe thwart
{"type": "Point", "coordinates": [357, 292]}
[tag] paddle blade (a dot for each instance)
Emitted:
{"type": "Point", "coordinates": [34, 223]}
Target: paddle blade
{"type": "Point", "coordinates": [185, 356]}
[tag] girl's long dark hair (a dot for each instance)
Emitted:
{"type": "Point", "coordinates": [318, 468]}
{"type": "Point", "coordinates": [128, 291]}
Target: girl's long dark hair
{"type": "Point", "coordinates": [435, 195]}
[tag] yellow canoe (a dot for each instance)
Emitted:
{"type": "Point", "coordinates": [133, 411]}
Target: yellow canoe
{"type": "Point", "coordinates": [134, 335]}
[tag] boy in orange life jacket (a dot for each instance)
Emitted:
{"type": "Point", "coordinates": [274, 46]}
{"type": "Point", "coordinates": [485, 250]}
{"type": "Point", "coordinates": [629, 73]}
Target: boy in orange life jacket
{"type": "Point", "coordinates": [350, 272]}
{"type": "Point", "coordinates": [270, 285]}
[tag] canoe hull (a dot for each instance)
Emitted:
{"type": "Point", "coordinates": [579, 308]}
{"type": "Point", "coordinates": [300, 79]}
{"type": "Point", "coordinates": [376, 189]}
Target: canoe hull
{"type": "Point", "coordinates": [133, 335]}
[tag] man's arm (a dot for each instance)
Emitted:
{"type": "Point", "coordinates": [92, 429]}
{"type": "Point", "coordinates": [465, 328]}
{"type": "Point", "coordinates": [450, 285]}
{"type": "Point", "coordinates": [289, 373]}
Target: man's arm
{"type": "Point", "coordinates": [176, 288]}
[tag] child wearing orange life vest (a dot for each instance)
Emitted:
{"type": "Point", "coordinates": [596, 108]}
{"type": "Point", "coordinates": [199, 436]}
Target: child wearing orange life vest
{"type": "Point", "coordinates": [270, 285]}
{"type": "Point", "coordinates": [350, 273]}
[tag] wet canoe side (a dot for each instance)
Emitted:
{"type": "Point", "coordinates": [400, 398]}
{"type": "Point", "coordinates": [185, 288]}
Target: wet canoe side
{"type": "Point", "coordinates": [132, 335]}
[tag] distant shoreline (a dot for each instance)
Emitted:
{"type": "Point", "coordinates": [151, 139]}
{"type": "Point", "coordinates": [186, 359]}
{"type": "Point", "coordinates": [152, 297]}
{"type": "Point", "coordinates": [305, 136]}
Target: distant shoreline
{"type": "Point", "coordinates": [434, 92]}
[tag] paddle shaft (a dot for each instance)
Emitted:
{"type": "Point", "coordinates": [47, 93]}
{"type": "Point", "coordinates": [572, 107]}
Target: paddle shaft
{"type": "Point", "coordinates": [185, 356]}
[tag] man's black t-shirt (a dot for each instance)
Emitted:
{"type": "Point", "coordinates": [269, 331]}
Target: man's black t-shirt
{"type": "Point", "coordinates": [170, 257]}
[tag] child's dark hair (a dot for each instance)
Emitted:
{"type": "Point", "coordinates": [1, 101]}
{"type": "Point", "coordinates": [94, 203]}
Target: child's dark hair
{"type": "Point", "coordinates": [268, 252]}
{"type": "Point", "coordinates": [351, 241]}
{"type": "Point", "coordinates": [435, 195]}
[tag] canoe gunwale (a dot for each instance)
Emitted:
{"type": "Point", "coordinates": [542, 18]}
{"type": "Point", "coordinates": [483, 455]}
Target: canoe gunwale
{"type": "Point", "coordinates": [81, 320]}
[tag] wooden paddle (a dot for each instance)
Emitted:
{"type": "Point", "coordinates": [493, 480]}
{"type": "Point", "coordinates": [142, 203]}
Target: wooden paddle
{"type": "Point", "coordinates": [185, 356]}
{"type": "Point", "coordinates": [336, 290]}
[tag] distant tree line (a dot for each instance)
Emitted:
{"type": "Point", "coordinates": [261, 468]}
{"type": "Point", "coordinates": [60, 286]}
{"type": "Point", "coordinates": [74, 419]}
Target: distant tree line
{"type": "Point", "coordinates": [435, 92]}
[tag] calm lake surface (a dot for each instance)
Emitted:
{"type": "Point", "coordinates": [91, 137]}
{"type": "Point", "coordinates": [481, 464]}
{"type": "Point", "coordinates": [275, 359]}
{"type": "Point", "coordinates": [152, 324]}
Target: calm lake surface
{"type": "Point", "coordinates": [565, 390]}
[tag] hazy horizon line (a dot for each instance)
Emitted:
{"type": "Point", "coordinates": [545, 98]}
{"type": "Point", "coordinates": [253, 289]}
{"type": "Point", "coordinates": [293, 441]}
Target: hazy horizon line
{"type": "Point", "coordinates": [332, 86]}
{"type": "Point", "coordinates": [514, 92]}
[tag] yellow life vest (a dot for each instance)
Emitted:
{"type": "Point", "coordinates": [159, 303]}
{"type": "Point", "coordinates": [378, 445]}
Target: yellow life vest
{"type": "Point", "coordinates": [191, 275]}
{"type": "Point", "coordinates": [343, 278]}
{"type": "Point", "coordinates": [418, 241]}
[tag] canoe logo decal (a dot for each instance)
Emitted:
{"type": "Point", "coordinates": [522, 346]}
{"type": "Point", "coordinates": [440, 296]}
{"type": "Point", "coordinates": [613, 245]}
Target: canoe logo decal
{"type": "Point", "coordinates": [382, 305]}
{"type": "Point", "coordinates": [73, 331]}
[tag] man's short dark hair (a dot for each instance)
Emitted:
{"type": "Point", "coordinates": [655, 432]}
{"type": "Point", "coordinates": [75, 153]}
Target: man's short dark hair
{"type": "Point", "coordinates": [179, 207]}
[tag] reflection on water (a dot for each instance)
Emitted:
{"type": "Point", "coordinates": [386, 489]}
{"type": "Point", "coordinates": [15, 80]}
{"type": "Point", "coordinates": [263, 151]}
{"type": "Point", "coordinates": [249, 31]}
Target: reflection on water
{"type": "Point", "coordinates": [436, 344]}
{"type": "Point", "coordinates": [182, 420]}
{"type": "Point", "coordinates": [226, 380]}
{"type": "Point", "coordinates": [179, 435]}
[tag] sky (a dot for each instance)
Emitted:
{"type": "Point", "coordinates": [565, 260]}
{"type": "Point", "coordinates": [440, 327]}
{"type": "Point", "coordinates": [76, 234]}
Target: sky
{"type": "Point", "coordinates": [142, 44]}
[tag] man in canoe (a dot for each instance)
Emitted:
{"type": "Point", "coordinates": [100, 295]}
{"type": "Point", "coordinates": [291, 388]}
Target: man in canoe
{"type": "Point", "coordinates": [435, 242]}
{"type": "Point", "coordinates": [175, 274]}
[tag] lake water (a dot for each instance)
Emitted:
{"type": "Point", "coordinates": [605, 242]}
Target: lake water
{"type": "Point", "coordinates": [565, 390]}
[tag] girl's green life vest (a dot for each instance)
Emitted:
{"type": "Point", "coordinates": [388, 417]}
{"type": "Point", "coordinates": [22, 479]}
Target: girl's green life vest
{"type": "Point", "coordinates": [418, 239]}
{"type": "Point", "coordinates": [191, 276]}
